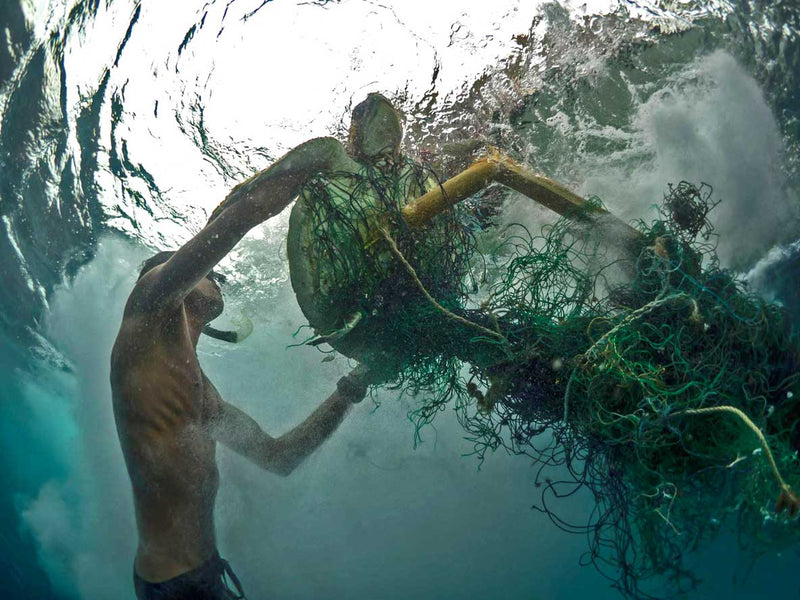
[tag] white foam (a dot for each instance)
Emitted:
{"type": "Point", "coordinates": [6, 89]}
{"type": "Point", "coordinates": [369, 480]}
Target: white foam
{"type": "Point", "coordinates": [711, 124]}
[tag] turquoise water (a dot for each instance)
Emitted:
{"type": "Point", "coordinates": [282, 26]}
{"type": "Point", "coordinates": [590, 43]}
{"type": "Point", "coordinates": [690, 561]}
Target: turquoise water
{"type": "Point", "coordinates": [124, 123]}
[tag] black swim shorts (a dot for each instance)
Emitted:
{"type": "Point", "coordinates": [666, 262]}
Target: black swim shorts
{"type": "Point", "coordinates": [209, 581]}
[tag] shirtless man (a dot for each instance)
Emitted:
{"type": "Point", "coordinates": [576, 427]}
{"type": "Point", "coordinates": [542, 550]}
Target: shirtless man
{"type": "Point", "coordinates": [169, 415]}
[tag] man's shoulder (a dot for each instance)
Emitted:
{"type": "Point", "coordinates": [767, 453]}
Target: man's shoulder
{"type": "Point", "coordinates": [142, 312]}
{"type": "Point", "coordinates": [141, 300]}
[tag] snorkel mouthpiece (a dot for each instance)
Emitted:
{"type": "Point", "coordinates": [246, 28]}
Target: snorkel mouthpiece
{"type": "Point", "coordinates": [234, 336]}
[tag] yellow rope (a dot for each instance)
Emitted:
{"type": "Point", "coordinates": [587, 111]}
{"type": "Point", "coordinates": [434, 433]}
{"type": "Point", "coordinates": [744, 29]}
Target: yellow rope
{"type": "Point", "coordinates": [592, 351]}
{"type": "Point", "coordinates": [785, 488]}
{"type": "Point", "coordinates": [431, 299]}
{"type": "Point", "coordinates": [650, 306]}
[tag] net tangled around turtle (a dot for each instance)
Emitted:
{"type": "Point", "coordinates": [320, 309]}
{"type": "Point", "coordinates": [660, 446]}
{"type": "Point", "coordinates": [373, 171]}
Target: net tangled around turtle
{"type": "Point", "coordinates": [651, 378]}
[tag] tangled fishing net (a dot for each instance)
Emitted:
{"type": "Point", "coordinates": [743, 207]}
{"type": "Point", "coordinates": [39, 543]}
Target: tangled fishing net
{"type": "Point", "coordinates": [650, 376]}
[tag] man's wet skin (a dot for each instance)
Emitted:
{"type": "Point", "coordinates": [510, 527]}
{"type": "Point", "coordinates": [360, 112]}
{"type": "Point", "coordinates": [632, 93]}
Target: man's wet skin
{"type": "Point", "coordinates": [165, 410]}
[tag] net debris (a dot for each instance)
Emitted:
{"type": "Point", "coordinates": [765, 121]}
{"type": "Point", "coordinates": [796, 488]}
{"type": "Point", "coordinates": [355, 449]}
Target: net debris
{"type": "Point", "coordinates": [653, 379]}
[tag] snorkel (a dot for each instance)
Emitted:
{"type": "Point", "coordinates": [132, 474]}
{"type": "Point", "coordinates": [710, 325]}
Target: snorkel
{"type": "Point", "coordinates": [234, 336]}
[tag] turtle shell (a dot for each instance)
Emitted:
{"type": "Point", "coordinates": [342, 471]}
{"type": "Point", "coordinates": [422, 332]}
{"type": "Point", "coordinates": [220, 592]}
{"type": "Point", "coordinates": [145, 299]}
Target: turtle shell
{"type": "Point", "coordinates": [337, 256]}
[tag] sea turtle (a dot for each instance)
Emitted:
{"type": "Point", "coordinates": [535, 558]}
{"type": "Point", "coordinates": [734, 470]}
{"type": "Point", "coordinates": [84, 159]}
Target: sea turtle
{"type": "Point", "coordinates": [353, 223]}
{"type": "Point", "coordinates": [337, 257]}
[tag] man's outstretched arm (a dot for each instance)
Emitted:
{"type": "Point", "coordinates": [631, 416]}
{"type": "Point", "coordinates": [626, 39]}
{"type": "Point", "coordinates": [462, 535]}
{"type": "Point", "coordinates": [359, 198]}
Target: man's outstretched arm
{"type": "Point", "coordinates": [239, 432]}
{"type": "Point", "coordinates": [262, 196]}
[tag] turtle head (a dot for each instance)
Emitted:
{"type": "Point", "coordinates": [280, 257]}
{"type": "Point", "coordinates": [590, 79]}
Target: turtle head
{"type": "Point", "coordinates": [376, 129]}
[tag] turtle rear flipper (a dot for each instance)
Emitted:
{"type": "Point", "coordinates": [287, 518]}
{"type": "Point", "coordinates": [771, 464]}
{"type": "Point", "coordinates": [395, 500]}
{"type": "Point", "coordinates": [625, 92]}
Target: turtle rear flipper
{"type": "Point", "coordinates": [336, 336]}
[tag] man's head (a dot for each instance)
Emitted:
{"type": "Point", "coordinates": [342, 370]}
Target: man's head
{"type": "Point", "coordinates": [205, 301]}
{"type": "Point", "coordinates": [376, 129]}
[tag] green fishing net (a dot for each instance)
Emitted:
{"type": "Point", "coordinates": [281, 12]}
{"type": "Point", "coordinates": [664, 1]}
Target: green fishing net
{"type": "Point", "coordinates": [637, 374]}
{"type": "Point", "coordinates": [352, 288]}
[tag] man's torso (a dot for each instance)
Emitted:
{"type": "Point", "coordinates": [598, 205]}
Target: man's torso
{"type": "Point", "coordinates": [162, 410]}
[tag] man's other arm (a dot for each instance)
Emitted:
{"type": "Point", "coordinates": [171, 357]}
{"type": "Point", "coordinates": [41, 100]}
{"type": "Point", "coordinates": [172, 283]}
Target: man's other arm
{"type": "Point", "coordinates": [239, 432]}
